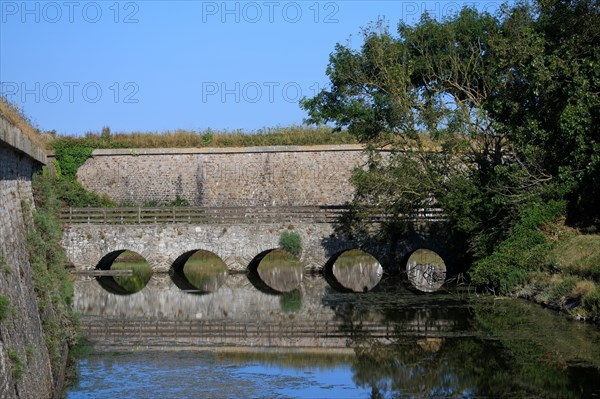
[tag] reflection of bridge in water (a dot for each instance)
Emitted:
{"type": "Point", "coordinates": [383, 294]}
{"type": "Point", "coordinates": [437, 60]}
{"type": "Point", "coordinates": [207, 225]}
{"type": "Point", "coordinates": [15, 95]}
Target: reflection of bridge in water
{"type": "Point", "coordinates": [240, 315]}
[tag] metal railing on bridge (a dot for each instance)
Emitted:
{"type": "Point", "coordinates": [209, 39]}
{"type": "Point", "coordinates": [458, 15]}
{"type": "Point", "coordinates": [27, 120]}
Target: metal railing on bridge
{"type": "Point", "coordinates": [230, 215]}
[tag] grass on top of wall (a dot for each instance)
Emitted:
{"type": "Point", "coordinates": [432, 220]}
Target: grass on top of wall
{"type": "Point", "coordinates": [17, 118]}
{"type": "Point", "coordinates": [291, 135]}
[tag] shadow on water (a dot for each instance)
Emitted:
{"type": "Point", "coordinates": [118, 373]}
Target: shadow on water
{"type": "Point", "coordinates": [515, 350]}
{"type": "Point", "coordinates": [125, 260]}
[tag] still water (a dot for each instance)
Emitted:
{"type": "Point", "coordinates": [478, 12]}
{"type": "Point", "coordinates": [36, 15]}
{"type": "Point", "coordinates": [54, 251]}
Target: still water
{"type": "Point", "coordinates": [220, 335]}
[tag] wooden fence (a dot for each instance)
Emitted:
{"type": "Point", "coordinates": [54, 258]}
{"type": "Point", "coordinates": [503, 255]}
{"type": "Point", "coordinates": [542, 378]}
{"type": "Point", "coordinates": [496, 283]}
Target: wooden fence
{"type": "Point", "coordinates": [229, 215]}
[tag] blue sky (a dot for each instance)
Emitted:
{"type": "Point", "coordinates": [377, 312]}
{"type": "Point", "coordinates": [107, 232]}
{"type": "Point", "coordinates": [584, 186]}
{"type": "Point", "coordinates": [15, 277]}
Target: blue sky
{"type": "Point", "coordinates": [76, 66]}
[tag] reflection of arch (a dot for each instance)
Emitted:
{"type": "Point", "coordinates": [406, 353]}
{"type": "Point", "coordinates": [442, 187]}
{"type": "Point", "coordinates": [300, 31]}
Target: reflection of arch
{"type": "Point", "coordinates": [286, 279]}
{"type": "Point", "coordinates": [255, 279]}
{"type": "Point", "coordinates": [108, 282]}
{"type": "Point", "coordinates": [329, 274]}
{"type": "Point", "coordinates": [178, 276]}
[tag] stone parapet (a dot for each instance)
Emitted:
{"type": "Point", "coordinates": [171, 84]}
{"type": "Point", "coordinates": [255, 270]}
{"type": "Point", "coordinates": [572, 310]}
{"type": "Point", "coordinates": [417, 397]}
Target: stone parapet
{"type": "Point", "coordinates": [13, 137]}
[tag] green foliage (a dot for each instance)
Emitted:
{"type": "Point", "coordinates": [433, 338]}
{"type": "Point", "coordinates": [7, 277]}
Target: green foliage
{"type": "Point", "coordinates": [72, 193]}
{"type": "Point", "coordinates": [591, 301]}
{"type": "Point", "coordinates": [560, 108]}
{"type": "Point", "coordinates": [4, 307]}
{"type": "Point", "coordinates": [524, 250]}
{"type": "Point", "coordinates": [29, 352]}
{"type": "Point", "coordinates": [70, 155]}
{"type": "Point", "coordinates": [81, 349]}
{"type": "Point", "coordinates": [5, 267]}
{"type": "Point", "coordinates": [493, 117]}
{"type": "Point", "coordinates": [291, 302]}
{"type": "Point", "coordinates": [207, 137]}
{"type": "Point", "coordinates": [178, 201]}
{"type": "Point", "coordinates": [291, 242]}
{"type": "Point", "coordinates": [16, 364]}
{"type": "Point", "coordinates": [51, 280]}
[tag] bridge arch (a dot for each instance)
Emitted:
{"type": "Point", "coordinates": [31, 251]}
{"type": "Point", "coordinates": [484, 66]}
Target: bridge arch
{"type": "Point", "coordinates": [198, 271]}
{"type": "Point", "coordinates": [275, 272]}
{"type": "Point", "coordinates": [353, 270]}
{"type": "Point", "coordinates": [124, 259]}
{"type": "Point", "coordinates": [425, 269]}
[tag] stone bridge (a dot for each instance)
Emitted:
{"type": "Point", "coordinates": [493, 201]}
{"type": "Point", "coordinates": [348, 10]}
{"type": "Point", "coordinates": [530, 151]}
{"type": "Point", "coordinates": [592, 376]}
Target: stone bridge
{"type": "Point", "coordinates": [162, 235]}
{"type": "Point", "coordinates": [268, 190]}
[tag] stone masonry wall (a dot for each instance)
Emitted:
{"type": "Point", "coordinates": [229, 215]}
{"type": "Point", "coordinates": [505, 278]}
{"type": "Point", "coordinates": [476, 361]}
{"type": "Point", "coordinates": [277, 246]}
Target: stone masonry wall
{"type": "Point", "coordinates": [21, 333]}
{"type": "Point", "coordinates": [255, 176]}
{"type": "Point", "coordinates": [236, 244]}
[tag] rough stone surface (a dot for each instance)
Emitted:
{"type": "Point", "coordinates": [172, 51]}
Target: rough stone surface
{"type": "Point", "coordinates": [256, 176]}
{"type": "Point", "coordinates": [14, 138]}
{"type": "Point", "coordinates": [21, 331]}
{"type": "Point", "coordinates": [236, 244]}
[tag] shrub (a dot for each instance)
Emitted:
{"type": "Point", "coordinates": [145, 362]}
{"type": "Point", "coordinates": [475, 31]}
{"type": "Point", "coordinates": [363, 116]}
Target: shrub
{"type": "Point", "coordinates": [4, 305]}
{"type": "Point", "coordinates": [562, 289]}
{"type": "Point", "coordinates": [73, 194]}
{"type": "Point", "coordinates": [70, 154]}
{"type": "Point", "coordinates": [16, 364]}
{"type": "Point", "coordinates": [591, 301]}
{"type": "Point", "coordinates": [5, 267]}
{"type": "Point", "coordinates": [291, 242]}
{"type": "Point", "coordinates": [525, 249]}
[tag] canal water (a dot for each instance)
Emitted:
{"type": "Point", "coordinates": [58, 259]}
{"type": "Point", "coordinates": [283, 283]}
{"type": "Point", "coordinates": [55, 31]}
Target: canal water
{"type": "Point", "coordinates": [350, 333]}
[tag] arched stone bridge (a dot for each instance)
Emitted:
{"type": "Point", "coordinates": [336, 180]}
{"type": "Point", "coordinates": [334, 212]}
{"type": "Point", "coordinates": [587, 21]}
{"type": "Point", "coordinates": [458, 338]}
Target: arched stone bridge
{"type": "Point", "coordinates": [236, 235]}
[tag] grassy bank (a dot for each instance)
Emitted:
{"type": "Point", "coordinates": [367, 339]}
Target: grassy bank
{"type": "Point", "coordinates": [354, 257]}
{"type": "Point", "coordinates": [204, 270]}
{"type": "Point", "coordinates": [571, 281]}
{"type": "Point", "coordinates": [279, 259]}
{"type": "Point", "coordinates": [546, 261]}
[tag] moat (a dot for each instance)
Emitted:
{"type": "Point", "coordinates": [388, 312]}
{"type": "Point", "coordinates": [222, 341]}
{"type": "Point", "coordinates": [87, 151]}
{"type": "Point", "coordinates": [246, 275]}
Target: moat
{"type": "Point", "coordinates": [356, 334]}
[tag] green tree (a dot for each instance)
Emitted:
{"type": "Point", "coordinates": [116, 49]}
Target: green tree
{"type": "Point", "coordinates": [554, 108]}
{"type": "Point", "coordinates": [488, 115]}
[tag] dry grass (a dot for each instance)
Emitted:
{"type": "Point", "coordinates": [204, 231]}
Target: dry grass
{"type": "Point", "coordinates": [579, 255]}
{"type": "Point", "coordinates": [582, 288]}
{"type": "Point", "coordinates": [13, 114]}
{"type": "Point", "coordinates": [291, 135]}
